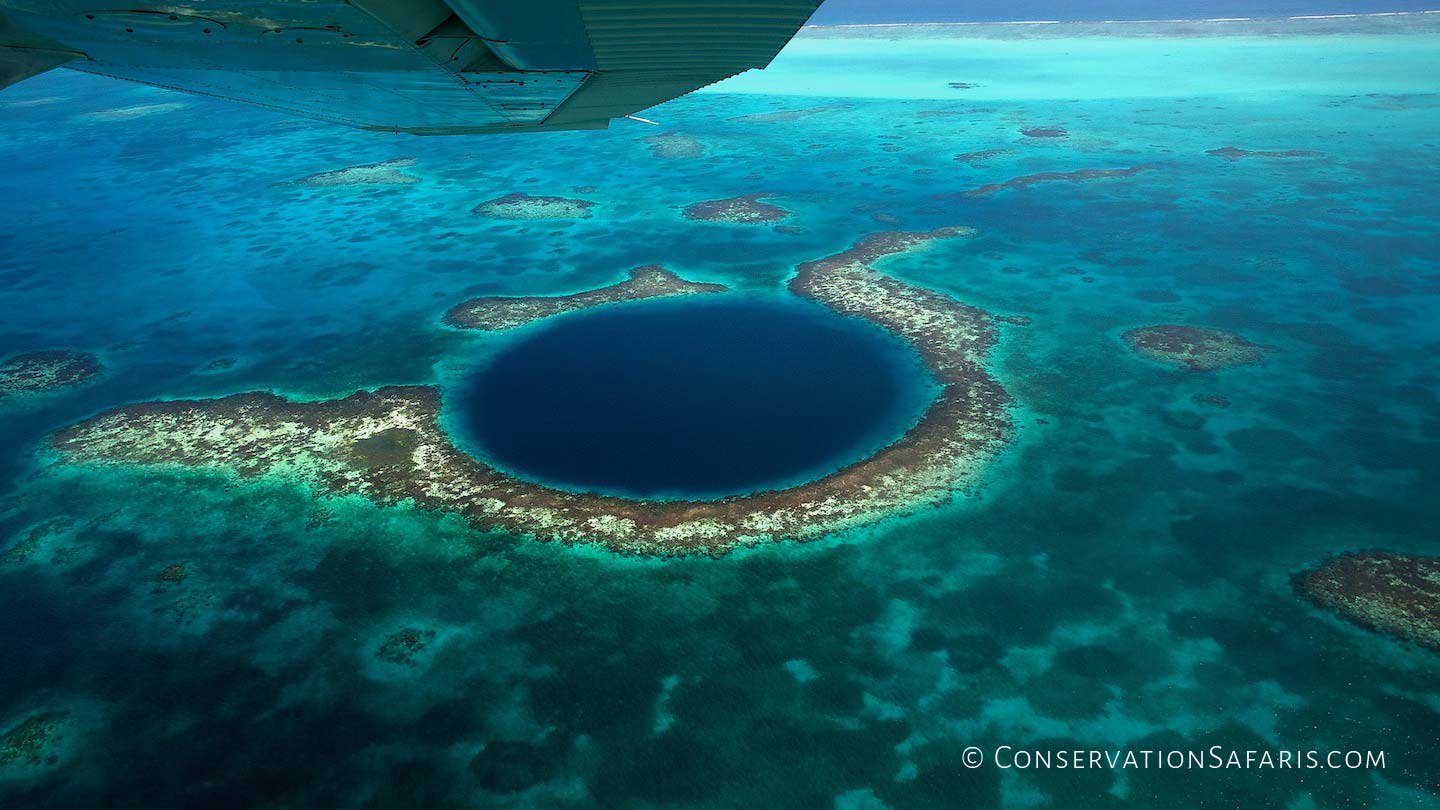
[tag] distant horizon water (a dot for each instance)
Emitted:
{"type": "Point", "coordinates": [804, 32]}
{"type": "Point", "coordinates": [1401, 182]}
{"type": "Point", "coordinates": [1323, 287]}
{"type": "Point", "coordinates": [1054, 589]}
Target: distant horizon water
{"type": "Point", "coordinates": [880, 12]}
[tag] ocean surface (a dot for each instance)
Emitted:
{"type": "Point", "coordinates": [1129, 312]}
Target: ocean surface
{"type": "Point", "coordinates": [870, 12]}
{"type": "Point", "coordinates": [1119, 580]}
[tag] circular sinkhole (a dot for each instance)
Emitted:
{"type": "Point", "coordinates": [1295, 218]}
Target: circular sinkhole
{"type": "Point", "coordinates": [696, 398]}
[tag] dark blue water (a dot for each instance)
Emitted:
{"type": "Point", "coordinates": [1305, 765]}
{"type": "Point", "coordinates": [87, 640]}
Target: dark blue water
{"type": "Point", "coordinates": [842, 12]}
{"type": "Point", "coordinates": [699, 398]}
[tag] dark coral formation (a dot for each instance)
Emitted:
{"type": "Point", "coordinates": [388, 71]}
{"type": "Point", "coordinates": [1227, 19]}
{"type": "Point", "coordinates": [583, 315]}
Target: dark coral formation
{"type": "Point", "coordinates": [403, 645]}
{"type": "Point", "coordinates": [1397, 594]}
{"type": "Point", "coordinates": [34, 540]}
{"type": "Point", "coordinates": [748, 209]}
{"type": "Point", "coordinates": [190, 605]}
{"type": "Point", "coordinates": [386, 173]}
{"type": "Point", "coordinates": [388, 445]}
{"type": "Point", "coordinates": [494, 313]}
{"type": "Point", "coordinates": [1199, 348]}
{"type": "Point", "coordinates": [1044, 132]}
{"type": "Point", "coordinates": [34, 372]}
{"type": "Point", "coordinates": [320, 516]}
{"type": "Point", "coordinates": [219, 365]}
{"type": "Point", "coordinates": [1232, 153]}
{"type": "Point", "coordinates": [33, 741]}
{"type": "Point", "coordinates": [510, 766]}
{"type": "Point", "coordinates": [1078, 176]}
{"type": "Point", "coordinates": [524, 206]}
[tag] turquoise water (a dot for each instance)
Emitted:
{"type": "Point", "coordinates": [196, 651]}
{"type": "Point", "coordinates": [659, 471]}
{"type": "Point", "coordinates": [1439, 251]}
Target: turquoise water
{"type": "Point", "coordinates": [871, 12]}
{"type": "Point", "coordinates": [696, 397]}
{"type": "Point", "coordinates": [1119, 580]}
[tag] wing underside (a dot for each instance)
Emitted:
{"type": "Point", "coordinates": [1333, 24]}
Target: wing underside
{"type": "Point", "coordinates": [419, 66]}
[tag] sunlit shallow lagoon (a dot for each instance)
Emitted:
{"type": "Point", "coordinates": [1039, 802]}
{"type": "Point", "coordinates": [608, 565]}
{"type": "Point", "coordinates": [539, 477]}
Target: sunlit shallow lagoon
{"type": "Point", "coordinates": [1120, 580]}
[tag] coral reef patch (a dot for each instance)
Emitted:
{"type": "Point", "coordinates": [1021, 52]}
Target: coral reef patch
{"type": "Point", "coordinates": [388, 445]}
{"type": "Point", "coordinates": [783, 116]}
{"type": "Point", "coordinates": [32, 742]}
{"type": "Point", "coordinates": [219, 365]}
{"type": "Point", "coordinates": [1045, 132]}
{"type": "Point", "coordinates": [31, 541]}
{"type": "Point", "coordinates": [1199, 348]}
{"type": "Point", "coordinates": [524, 206]}
{"type": "Point", "coordinates": [1233, 153]}
{"type": "Point", "coordinates": [674, 146]}
{"type": "Point", "coordinates": [34, 372]}
{"type": "Point", "coordinates": [403, 645]}
{"type": "Point", "coordinates": [979, 157]}
{"type": "Point", "coordinates": [511, 766]}
{"type": "Point", "coordinates": [1078, 176]}
{"type": "Point", "coordinates": [385, 173]}
{"type": "Point", "coordinates": [1397, 594]}
{"type": "Point", "coordinates": [748, 209]}
{"type": "Point", "coordinates": [495, 313]}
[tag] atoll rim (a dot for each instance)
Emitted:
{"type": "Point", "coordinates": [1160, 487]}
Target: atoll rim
{"type": "Point", "coordinates": [389, 446]}
{"type": "Point", "coordinates": [495, 313]}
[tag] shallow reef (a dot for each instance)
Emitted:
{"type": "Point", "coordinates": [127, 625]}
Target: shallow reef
{"type": "Point", "coordinates": [37, 543]}
{"type": "Point", "coordinates": [385, 173]}
{"type": "Point", "coordinates": [219, 365]}
{"type": "Point", "coordinates": [388, 445]}
{"type": "Point", "coordinates": [494, 313]}
{"type": "Point", "coordinates": [33, 740]}
{"type": "Point", "coordinates": [1045, 132]}
{"type": "Point", "coordinates": [1212, 400]}
{"type": "Point", "coordinates": [747, 209]}
{"type": "Point", "coordinates": [1397, 594]}
{"type": "Point", "coordinates": [403, 645]}
{"type": "Point", "coordinates": [782, 116]}
{"type": "Point", "coordinates": [524, 206]}
{"type": "Point", "coordinates": [34, 372]}
{"type": "Point", "coordinates": [980, 156]}
{"type": "Point", "coordinates": [1233, 153]}
{"type": "Point", "coordinates": [674, 146]}
{"type": "Point", "coordinates": [1198, 348]}
{"type": "Point", "coordinates": [1078, 176]}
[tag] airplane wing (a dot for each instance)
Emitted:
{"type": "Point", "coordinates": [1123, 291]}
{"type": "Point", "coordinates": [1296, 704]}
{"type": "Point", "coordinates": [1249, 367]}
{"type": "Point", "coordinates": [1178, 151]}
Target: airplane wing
{"type": "Point", "coordinates": [427, 67]}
